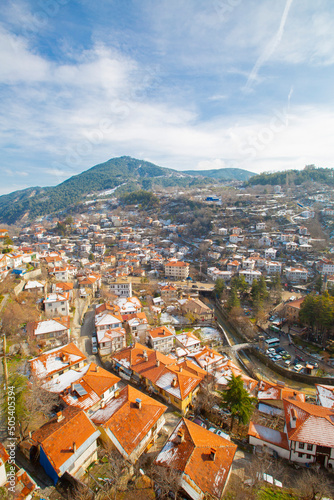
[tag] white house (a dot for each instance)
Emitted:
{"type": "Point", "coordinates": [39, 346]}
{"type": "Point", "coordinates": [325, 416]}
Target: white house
{"type": "Point", "coordinates": [296, 274]}
{"type": "Point", "coordinates": [57, 304]}
{"type": "Point", "coordinates": [250, 275]}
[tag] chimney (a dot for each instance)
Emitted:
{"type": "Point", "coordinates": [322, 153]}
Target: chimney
{"type": "Point", "coordinates": [96, 368]}
{"type": "Point", "coordinates": [293, 419]}
{"type": "Point", "coordinates": [213, 452]}
{"type": "Point", "coordinates": [103, 403]}
{"type": "Point", "coordinates": [138, 403]}
{"type": "Point", "coordinates": [74, 447]}
{"type": "Point", "coordinates": [180, 369]}
{"type": "Point", "coordinates": [180, 436]}
{"type": "Point", "coordinates": [116, 395]}
{"type": "Point", "coordinates": [145, 355]}
{"type": "Point", "coordinates": [157, 362]}
{"type": "Point", "coordinates": [60, 416]}
{"type": "Point", "coordinates": [72, 386]}
{"type": "Point", "coordinates": [30, 434]}
{"type": "Point", "coordinates": [174, 381]}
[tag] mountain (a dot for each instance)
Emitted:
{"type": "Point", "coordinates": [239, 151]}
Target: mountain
{"type": "Point", "coordinates": [227, 174]}
{"type": "Point", "coordinates": [125, 174]}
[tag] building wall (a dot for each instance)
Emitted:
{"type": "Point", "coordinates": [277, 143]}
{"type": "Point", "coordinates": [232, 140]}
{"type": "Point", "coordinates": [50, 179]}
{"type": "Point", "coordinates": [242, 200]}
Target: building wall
{"type": "Point", "coordinates": [89, 456]}
{"type": "Point", "coordinates": [281, 452]}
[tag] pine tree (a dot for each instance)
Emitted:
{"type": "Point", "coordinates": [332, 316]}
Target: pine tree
{"type": "Point", "coordinates": [238, 400]}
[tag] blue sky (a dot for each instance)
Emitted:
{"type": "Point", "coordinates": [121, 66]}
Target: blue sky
{"type": "Point", "coordinates": [186, 84]}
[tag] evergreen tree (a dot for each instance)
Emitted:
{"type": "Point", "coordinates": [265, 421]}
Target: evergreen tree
{"type": "Point", "coordinates": [238, 400]}
{"type": "Point", "coordinates": [233, 300]}
{"type": "Point", "coordinates": [219, 287]}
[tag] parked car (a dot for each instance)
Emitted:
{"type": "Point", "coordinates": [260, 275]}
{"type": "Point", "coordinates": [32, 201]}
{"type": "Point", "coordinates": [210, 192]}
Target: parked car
{"type": "Point", "coordinates": [298, 368]}
{"type": "Point", "coordinates": [300, 358]}
{"type": "Point", "coordinates": [287, 362]}
{"type": "Point", "coordinates": [278, 357]}
{"type": "Point", "coordinates": [94, 345]}
{"type": "Point", "coordinates": [222, 434]}
{"type": "Point", "coordinates": [212, 429]}
{"type": "Point", "coordinates": [198, 421]}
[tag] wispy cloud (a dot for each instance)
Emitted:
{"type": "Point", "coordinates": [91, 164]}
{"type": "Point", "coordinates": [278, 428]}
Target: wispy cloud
{"type": "Point", "coordinates": [270, 48]}
{"type": "Point", "coordinates": [166, 87]}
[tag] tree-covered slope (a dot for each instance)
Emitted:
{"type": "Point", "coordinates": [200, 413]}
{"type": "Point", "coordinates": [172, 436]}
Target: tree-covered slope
{"type": "Point", "coordinates": [228, 174]}
{"type": "Point", "coordinates": [127, 173]}
{"type": "Point", "coordinates": [309, 174]}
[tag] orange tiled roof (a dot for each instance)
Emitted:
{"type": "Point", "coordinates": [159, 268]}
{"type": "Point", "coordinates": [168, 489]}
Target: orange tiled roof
{"type": "Point", "coordinates": [314, 424]}
{"type": "Point", "coordinates": [177, 264]}
{"type": "Point", "coordinates": [96, 381]}
{"type": "Point", "coordinates": [268, 435]}
{"type": "Point", "coordinates": [65, 286]}
{"type": "Point", "coordinates": [266, 390]}
{"type": "Point", "coordinates": [129, 423]}
{"type": "Point", "coordinates": [193, 457]}
{"type": "Point", "coordinates": [55, 360]}
{"type": "Point", "coordinates": [161, 370]}
{"type": "Point", "coordinates": [57, 438]}
{"type": "Point", "coordinates": [160, 332]}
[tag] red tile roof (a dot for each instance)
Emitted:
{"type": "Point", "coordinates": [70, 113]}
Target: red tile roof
{"type": "Point", "coordinates": [129, 423]}
{"type": "Point", "coordinates": [268, 435]}
{"type": "Point", "coordinates": [56, 360]}
{"type": "Point", "coordinates": [193, 457]}
{"type": "Point", "coordinates": [314, 424]}
{"type": "Point", "coordinates": [57, 438]}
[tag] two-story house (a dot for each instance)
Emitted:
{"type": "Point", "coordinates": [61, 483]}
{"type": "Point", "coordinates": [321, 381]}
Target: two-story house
{"type": "Point", "coordinates": [131, 421]}
{"type": "Point", "coordinates": [161, 339]}
{"type": "Point", "coordinates": [201, 458]}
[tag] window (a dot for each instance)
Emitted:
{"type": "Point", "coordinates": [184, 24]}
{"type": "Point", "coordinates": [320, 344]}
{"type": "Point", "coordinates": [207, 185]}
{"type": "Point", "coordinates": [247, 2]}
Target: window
{"type": "Point", "coordinates": [310, 447]}
{"type": "Point", "coordinates": [300, 455]}
{"type": "Point", "coordinates": [308, 457]}
{"type": "Point", "coordinates": [301, 446]}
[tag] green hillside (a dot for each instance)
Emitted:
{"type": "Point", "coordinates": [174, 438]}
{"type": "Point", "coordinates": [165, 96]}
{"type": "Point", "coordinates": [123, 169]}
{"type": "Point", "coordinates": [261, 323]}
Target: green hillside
{"type": "Point", "coordinates": [309, 174]}
{"type": "Point", "coordinates": [126, 174]}
{"type": "Point", "coordinates": [228, 174]}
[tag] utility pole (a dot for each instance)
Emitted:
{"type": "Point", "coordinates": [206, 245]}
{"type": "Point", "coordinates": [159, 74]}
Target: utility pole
{"type": "Point", "coordinates": [4, 361]}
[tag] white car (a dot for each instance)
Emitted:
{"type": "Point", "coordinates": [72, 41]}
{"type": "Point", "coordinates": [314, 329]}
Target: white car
{"type": "Point", "coordinates": [94, 345]}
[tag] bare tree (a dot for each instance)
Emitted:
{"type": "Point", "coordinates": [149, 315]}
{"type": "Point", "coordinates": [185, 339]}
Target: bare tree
{"type": "Point", "coordinates": [33, 404]}
{"type": "Point", "coordinates": [118, 471]}
{"type": "Point", "coordinates": [166, 480]}
{"type": "Point", "coordinates": [312, 485]}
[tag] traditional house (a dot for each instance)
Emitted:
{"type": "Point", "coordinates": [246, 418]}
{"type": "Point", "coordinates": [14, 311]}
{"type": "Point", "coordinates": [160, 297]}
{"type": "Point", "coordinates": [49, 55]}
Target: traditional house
{"type": "Point", "coordinates": [203, 460]}
{"type": "Point", "coordinates": [308, 435]}
{"type": "Point", "coordinates": [159, 373]}
{"type": "Point", "coordinates": [131, 421]}
{"type": "Point", "coordinates": [52, 364]}
{"type": "Point", "coordinates": [87, 388]}
{"type": "Point", "coordinates": [168, 293]}
{"type": "Point", "coordinates": [197, 309]}
{"type": "Point", "coordinates": [185, 343]}
{"type": "Point", "coordinates": [292, 309]}
{"type": "Point", "coordinates": [161, 339]}
{"type": "Point", "coordinates": [67, 443]}
{"type": "Point", "coordinates": [110, 341]}
{"type": "Point", "coordinates": [208, 359]}
{"type": "Point", "coordinates": [50, 331]}
{"type": "Point", "coordinates": [57, 304]}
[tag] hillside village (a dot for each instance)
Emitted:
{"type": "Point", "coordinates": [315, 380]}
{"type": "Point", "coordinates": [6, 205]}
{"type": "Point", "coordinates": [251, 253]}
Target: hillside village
{"type": "Point", "coordinates": [126, 329]}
